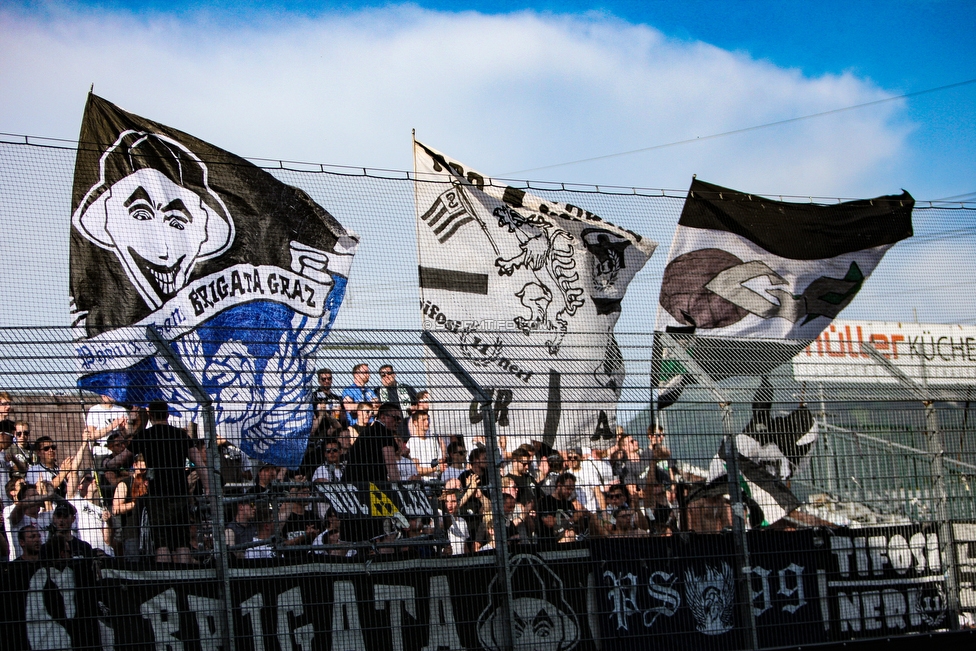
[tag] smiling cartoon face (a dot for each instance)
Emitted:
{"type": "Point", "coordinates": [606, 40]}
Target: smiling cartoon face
{"type": "Point", "coordinates": [153, 207]}
{"type": "Point", "coordinates": [158, 229]}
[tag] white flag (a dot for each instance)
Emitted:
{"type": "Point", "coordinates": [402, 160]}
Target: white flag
{"type": "Point", "coordinates": [525, 292]}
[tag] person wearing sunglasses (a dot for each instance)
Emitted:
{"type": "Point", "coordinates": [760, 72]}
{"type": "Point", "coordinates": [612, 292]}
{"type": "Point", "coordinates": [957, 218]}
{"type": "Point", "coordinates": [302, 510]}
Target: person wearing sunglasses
{"type": "Point", "coordinates": [47, 467]}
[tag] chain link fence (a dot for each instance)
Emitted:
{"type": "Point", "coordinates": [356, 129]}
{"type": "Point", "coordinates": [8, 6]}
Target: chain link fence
{"type": "Point", "coordinates": [819, 496]}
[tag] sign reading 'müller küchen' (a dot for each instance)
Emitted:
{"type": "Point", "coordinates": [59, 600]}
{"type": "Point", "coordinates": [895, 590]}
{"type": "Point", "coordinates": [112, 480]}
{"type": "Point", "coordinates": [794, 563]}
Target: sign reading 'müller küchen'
{"type": "Point", "coordinates": [242, 273]}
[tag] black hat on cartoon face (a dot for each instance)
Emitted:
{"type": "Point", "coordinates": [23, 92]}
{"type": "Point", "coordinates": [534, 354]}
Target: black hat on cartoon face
{"type": "Point", "coordinates": [153, 208]}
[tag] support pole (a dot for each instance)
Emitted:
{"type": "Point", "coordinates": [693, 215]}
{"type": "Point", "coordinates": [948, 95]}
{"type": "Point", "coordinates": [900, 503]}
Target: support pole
{"type": "Point", "coordinates": [213, 476]}
{"type": "Point", "coordinates": [741, 542]}
{"type": "Point", "coordinates": [936, 450]}
{"type": "Point", "coordinates": [495, 463]}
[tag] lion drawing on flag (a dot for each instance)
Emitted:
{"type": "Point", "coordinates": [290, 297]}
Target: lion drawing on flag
{"type": "Point", "coordinates": [548, 253]}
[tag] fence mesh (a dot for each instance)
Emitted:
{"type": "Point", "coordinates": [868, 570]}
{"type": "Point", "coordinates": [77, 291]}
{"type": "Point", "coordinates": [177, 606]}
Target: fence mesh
{"type": "Point", "coordinates": [642, 540]}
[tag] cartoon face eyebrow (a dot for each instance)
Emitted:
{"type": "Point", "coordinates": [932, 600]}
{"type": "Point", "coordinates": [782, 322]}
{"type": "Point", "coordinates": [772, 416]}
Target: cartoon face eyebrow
{"type": "Point", "coordinates": [142, 207]}
{"type": "Point", "coordinates": [139, 194]}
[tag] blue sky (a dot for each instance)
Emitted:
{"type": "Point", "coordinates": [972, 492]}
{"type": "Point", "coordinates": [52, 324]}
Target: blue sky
{"type": "Point", "coordinates": [517, 88]}
{"type": "Point", "coordinates": [887, 47]}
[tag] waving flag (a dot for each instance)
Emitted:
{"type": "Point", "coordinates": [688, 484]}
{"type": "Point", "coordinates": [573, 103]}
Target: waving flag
{"type": "Point", "coordinates": [756, 280]}
{"type": "Point", "coordinates": [526, 291]}
{"type": "Point", "coordinates": [749, 283]}
{"type": "Point", "coordinates": [242, 273]}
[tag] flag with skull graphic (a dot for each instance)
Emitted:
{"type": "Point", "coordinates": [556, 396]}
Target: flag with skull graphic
{"type": "Point", "coordinates": [525, 292]}
{"type": "Point", "coordinates": [242, 274]}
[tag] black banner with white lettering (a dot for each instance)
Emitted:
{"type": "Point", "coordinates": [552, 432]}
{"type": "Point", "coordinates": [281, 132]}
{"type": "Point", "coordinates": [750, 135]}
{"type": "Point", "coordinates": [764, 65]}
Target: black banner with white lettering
{"type": "Point", "coordinates": [805, 587]}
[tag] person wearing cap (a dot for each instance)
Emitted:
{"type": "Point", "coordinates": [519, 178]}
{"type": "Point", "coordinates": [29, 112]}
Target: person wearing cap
{"type": "Point", "coordinates": [62, 525]}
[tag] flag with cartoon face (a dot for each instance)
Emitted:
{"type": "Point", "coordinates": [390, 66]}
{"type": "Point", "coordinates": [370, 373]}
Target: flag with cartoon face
{"type": "Point", "coordinates": [525, 292]}
{"type": "Point", "coordinates": [240, 272]}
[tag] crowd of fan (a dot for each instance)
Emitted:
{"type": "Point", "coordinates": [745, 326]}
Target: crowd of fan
{"type": "Point", "coordinates": [139, 487]}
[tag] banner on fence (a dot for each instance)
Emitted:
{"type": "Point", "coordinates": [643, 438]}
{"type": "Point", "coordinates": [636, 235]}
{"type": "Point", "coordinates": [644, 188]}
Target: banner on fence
{"type": "Point", "coordinates": [804, 587]}
{"type": "Point", "coordinates": [242, 273]}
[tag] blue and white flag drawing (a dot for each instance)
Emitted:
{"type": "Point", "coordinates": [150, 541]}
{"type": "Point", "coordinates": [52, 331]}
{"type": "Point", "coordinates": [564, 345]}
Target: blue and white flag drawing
{"type": "Point", "coordinates": [242, 273]}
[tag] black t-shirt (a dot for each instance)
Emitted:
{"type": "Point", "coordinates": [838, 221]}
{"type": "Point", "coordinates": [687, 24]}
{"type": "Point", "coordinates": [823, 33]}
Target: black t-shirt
{"type": "Point", "coordinates": [562, 510]}
{"type": "Point", "coordinates": [165, 448]}
{"type": "Point", "coordinates": [528, 489]}
{"type": "Point", "coordinates": [365, 460]}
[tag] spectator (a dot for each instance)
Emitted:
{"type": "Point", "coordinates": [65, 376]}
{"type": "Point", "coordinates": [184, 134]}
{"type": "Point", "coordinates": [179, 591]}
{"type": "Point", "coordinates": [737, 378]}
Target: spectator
{"type": "Point", "coordinates": [625, 524]}
{"type": "Point", "coordinates": [19, 456]}
{"type": "Point", "coordinates": [6, 442]}
{"type": "Point", "coordinates": [456, 462]}
{"type": "Point", "coordinates": [128, 503]}
{"type": "Point", "coordinates": [103, 419]}
{"type": "Point", "coordinates": [94, 522]}
{"type": "Point", "coordinates": [235, 467]}
{"type": "Point", "coordinates": [120, 456]}
{"type": "Point", "coordinates": [373, 458]}
{"type": "Point", "coordinates": [329, 472]}
{"type": "Point", "coordinates": [618, 498]}
{"type": "Point", "coordinates": [266, 525]}
{"type": "Point", "coordinates": [268, 474]}
{"type": "Point", "coordinates": [406, 465]}
{"type": "Point", "coordinates": [135, 422]}
{"type": "Point", "coordinates": [593, 476]}
{"type": "Point", "coordinates": [528, 490]}
{"type": "Point", "coordinates": [659, 496]}
{"type": "Point", "coordinates": [300, 523]}
{"type": "Point", "coordinates": [562, 519]}
{"type": "Point", "coordinates": [62, 526]}
{"type": "Point", "coordinates": [477, 477]}
{"type": "Point", "coordinates": [6, 408]}
{"type": "Point", "coordinates": [29, 538]}
{"type": "Point", "coordinates": [424, 450]}
{"type": "Point", "coordinates": [166, 449]}
{"type": "Point", "coordinates": [455, 526]}
{"type": "Point", "coordinates": [401, 395]}
{"type": "Point", "coordinates": [241, 528]}
{"type": "Point", "coordinates": [364, 416]}
{"type": "Point", "coordinates": [25, 511]}
{"type": "Point", "coordinates": [549, 470]}
{"type": "Point", "coordinates": [323, 393]}
{"type": "Point", "coordinates": [357, 392]}
{"type": "Point", "coordinates": [47, 467]}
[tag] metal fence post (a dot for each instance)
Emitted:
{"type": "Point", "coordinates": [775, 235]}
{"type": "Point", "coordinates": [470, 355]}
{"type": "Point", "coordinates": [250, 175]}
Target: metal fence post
{"type": "Point", "coordinates": [214, 479]}
{"type": "Point", "coordinates": [494, 462]}
{"type": "Point", "coordinates": [744, 567]}
{"type": "Point", "coordinates": [936, 451]}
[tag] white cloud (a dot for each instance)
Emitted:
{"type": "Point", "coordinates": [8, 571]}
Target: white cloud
{"type": "Point", "coordinates": [504, 93]}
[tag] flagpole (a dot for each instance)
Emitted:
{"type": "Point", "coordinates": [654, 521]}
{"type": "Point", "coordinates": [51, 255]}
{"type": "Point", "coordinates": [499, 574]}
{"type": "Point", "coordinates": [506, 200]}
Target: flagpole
{"type": "Point", "coordinates": [732, 472]}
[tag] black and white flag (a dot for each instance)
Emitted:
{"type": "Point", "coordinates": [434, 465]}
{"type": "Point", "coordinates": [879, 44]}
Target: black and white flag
{"type": "Point", "coordinates": [750, 281]}
{"type": "Point", "coordinates": [525, 291]}
{"type": "Point", "coordinates": [743, 266]}
{"type": "Point", "coordinates": [242, 273]}
{"type": "Point", "coordinates": [771, 451]}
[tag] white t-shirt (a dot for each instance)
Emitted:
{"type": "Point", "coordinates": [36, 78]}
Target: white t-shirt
{"type": "Point", "coordinates": [457, 533]}
{"type": "Point", "coordinates": [89, 524]}
{"type": "Point", "coordinates": [102, 415]}
{"type": "Point", "coordinates": [327, 473]}
{"type": "Point", "coordinates": [42, 522]}
{"type": "Point", "coordinates": [424, 450]}
{"type": "Point", "coordinates": [593, 475]}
